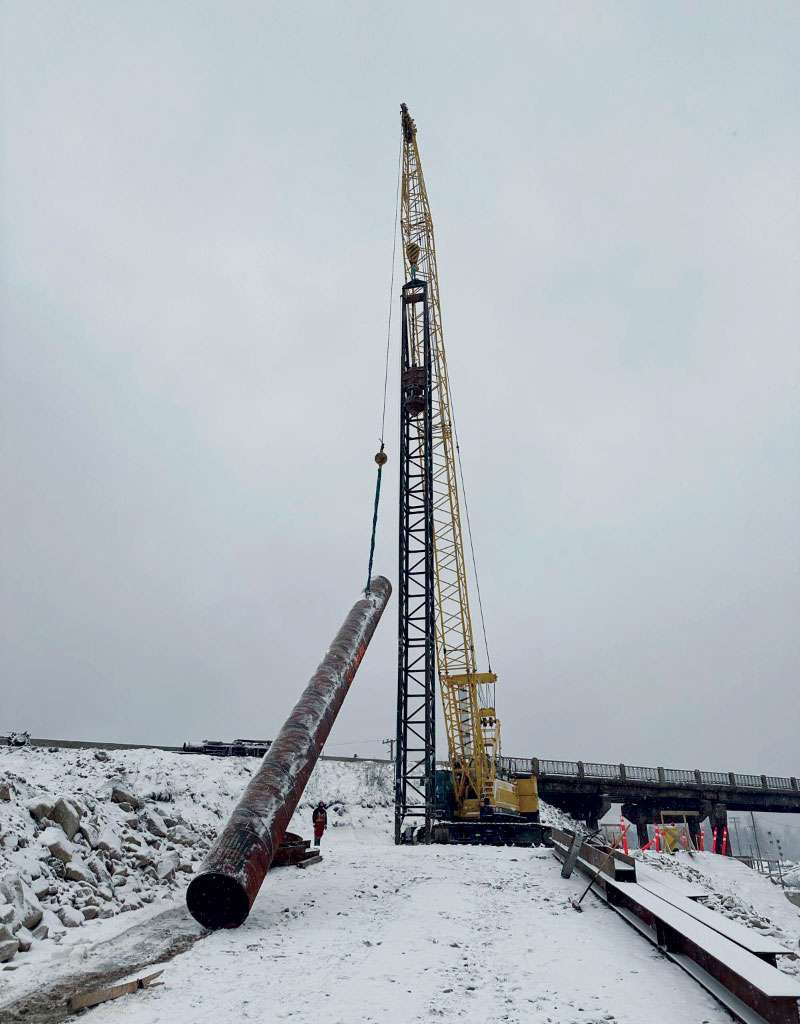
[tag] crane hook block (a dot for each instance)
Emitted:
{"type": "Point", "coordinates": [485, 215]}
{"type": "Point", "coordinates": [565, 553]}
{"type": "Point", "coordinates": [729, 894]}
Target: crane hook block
{"type": "Point", "coordinates": [381, 457]}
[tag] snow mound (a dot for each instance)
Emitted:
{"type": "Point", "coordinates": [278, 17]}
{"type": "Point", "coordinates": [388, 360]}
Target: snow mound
{"type": "Point", "coordinates": [89, 834]}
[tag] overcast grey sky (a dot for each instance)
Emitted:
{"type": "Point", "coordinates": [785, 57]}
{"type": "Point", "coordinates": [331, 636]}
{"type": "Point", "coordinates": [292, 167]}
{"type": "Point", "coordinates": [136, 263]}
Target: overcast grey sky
{"type": "Point", "coordinates": [197, 204]}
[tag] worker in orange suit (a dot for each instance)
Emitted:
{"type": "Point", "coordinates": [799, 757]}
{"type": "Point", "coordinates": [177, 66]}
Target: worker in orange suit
{"type": "Point", "coordinates": [320, 821]}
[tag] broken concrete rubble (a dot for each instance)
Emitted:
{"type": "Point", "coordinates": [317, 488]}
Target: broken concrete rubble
{"type": "Point", "coordinates": [25, 939]}
{"type": "Point", "coordinates": [168, 865]}
{"type": "Point", "coordinates": [70, 917]}
{"type": "Point", "coordinates": [89, 832]}
{"type": "Point", "coordinates": [42, 887]}
{"type": "Point", "coordinates": [135, 849]}
{"type": "Point", "coordinates": [68, 815]}
{"type": "Point", "coordinates": [57, 843]}
{"type": "Point", "coordinates": [78, 871]}
{"type": "Point", "coordinates": [52, 923]}
{"type": "Point", "coordinates": [155, 824]}
{"type": "Point", "coordinates": [109, 842]}
{"type": "Point", "coordinates": [39, 808]}
{"type": "Point", "coordinates": [120, 795]}
{"type": "Point", "coordinates": [27, 909]}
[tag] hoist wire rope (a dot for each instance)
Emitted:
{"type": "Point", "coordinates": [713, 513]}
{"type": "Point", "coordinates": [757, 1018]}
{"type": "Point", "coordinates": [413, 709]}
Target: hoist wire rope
{"type": "Point", "coordinates": [391, 293]}
{"type": "Point", "coordinates": [471, 543]}
{"type": "Point", "coordinates": [380, 458]}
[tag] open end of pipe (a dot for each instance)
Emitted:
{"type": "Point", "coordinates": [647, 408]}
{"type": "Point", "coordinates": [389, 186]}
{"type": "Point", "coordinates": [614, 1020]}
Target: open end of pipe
{"type": "Point", "coordinates": [217, 901]}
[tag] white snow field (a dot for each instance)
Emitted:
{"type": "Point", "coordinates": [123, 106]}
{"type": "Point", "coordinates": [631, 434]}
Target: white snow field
{"type": "Point", "coordinates": [373, 933]}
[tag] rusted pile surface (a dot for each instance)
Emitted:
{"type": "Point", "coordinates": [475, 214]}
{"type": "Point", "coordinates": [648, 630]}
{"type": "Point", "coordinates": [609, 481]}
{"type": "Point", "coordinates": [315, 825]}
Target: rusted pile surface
{"type": "Point", "coordinates": [223, 891]}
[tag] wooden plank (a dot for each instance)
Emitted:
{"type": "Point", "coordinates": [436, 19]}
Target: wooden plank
{"type": "Point", "coordinates": [103, 995]}
{"type": "Point", "coordinates": [310, 860]}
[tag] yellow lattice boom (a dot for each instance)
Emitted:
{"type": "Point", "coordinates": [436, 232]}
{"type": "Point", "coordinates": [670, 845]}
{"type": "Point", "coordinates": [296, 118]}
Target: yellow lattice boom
{"type": "Point", "coordinates": [473, 730]}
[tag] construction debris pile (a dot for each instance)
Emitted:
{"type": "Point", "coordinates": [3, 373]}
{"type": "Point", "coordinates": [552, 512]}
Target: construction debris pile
{"type": "Point", "coordinates": [73, 853]}
{"type": "Point", "coordinates": [88, 834]}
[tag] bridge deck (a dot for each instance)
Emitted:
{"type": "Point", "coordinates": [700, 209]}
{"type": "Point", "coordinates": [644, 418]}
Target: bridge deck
{"type": "Point", "coordinates": [568, 783]}
{"type": "Point", "coordinates": [640, 776]}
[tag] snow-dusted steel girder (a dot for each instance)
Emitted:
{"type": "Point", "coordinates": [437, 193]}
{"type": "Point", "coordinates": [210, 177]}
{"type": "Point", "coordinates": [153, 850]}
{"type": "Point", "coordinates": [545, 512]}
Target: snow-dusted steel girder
{"type": "Point", "coordinates": [222, 893]}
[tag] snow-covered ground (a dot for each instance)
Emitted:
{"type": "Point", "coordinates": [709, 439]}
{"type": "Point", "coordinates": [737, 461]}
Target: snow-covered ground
{"type": "Point", "coordinates": [88, 834]}
{"type": "Point", "coordinates": [372, 933]}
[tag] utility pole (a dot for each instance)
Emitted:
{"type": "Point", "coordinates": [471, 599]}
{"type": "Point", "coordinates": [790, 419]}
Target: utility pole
{"type": "Point", "coordinates": [772, 842]}
{"type": "Point", "coordinates": [755, 835]}
{"type": "Point", "coordinates": [390, 742]}
{"type": "Point", "coordinates": [780, 858]}
{"type": "Point", "coordinates": [736, 831]}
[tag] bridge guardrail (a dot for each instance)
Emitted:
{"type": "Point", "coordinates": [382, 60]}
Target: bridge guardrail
{"type": "Point", "coordinates": [546, 768]}
{"type": "Point", "coordinates": [679, 775]}
{"type": "Point", "coordinates": [637, 773]}
{"type": "Point", "coordinates": [600, 771]}
{"type": "Point", "coordinates": [569, 768]}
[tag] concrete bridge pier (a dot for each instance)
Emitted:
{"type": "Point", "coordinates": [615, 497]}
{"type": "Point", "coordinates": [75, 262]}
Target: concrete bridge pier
{"type": "Point", "coordinates": [642, 815]}
{"type": "Point", "coordinates": [593, 808]}
{"type": "Point", "coordinates": [694, 829]}
{"type": "Point", "coordinates": [639, 815]}
{"type": "Point", "coordinates": [718, 819]}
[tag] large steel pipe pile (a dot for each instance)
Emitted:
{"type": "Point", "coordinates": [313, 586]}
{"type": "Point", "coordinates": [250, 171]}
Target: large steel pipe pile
{"type": "Point", "coordinates": [223, 891]}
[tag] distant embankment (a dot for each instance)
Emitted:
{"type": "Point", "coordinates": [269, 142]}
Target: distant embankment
{"type": "Point", "coordinates": [97, 744]}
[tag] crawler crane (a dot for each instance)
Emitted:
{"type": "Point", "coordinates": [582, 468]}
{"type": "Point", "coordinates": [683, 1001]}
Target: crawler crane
{"type": "Point", "coordinates": [468, 802]}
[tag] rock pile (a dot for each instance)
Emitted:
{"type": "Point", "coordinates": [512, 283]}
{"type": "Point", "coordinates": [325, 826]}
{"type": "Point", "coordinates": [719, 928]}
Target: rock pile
{"type": "Point", "coordinates": [78, 857]}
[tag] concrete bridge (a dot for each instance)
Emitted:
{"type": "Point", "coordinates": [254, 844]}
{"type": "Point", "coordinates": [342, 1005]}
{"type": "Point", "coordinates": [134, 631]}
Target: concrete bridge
{"type": "Point", "coordinates": [587, 789]}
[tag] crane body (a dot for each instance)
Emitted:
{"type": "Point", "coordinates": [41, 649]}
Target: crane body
{"type": "Point", "coordinates": [435, 616]}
